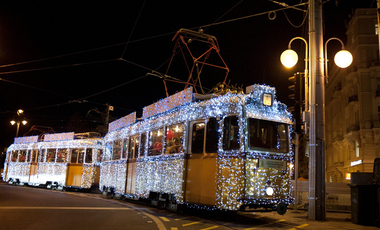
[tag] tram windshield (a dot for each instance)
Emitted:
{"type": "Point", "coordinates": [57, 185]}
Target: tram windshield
{"type": "Point", "coordinates": [268, 136]}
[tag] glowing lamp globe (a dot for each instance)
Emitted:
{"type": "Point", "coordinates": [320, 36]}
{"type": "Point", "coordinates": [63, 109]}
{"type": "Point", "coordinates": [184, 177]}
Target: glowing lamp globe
{"type": "Point", "coordinates": [289, 58]}
{"type": "Point", "coordinates": [343, 58]}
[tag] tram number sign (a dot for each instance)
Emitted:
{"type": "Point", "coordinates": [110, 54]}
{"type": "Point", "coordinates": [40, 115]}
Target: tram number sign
{"type": "Point", "coordinates": [276, 164]}
{"type": "Point", "coordinates": [267, 99]}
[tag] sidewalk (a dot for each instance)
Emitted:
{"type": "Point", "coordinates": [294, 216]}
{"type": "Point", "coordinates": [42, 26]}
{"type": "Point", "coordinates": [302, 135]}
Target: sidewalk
{"type": "Point", "coordinates": [334, 220]}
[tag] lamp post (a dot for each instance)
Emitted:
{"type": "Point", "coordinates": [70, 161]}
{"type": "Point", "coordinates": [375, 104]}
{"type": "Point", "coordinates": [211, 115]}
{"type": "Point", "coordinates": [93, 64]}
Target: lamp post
{"type": "Point", "coordinates": [19, 120]}
{"type": "Point", "coordinates": [316, 115]}
{"type": "Point", "coordinates": [343, 58]}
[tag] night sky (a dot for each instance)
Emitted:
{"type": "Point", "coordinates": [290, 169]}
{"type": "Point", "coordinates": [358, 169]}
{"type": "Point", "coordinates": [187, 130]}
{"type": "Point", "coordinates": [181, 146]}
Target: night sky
{"type": "Point", "coordinates": [55, 54]}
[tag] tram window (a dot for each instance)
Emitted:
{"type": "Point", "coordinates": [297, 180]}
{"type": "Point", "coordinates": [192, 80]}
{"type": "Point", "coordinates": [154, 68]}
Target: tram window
{"type": "Point", "coordinates": [268, 135]}
{"type": "Point", "coordinates": [197, 140]}
{"type": "Point", "coordinates": [14, 155]}
{"type": "Point", "coordinates": [43, 155]}
{"type": "Point", "coordinates": [174, 138]}
{"type": "Point", "coordinates": [35, 156]}
{"type": "Point", "coordinates": [62, 155]}
{"type": "Point", "coordinates": [107, 154]}
{"type": "Point", "coordinates": [212, 136]}
{"type": "Point", "coordinates": [116, 150]}
{"type": "Point", "coordinates": [125, 149]}
{"type": "Point", "coordinates": [133, 146]}
{"type": "Point", "coordinates": [99, 155]}
{"type": "Point", "coordinates": [156, 142]}
{"type": "Point", "coordinates": [29, 156]}
{"type": "Point", "coordinates": [88, 158]}
{"type": "Point", "coordinates": [81, 156]}
{"type": "Point", "coordinates": [231, 133]}
{"type": "Point", "coordinates": [51, 155]}
{"type": "Point", "coordinates": [22, 156]}
{"type": "Point", "coordinates": [77, 155]}
{"type": "Point", "coordinates": [142, 146]}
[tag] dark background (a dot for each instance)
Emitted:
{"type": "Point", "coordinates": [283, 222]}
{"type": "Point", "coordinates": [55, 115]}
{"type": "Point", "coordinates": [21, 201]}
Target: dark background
{"type": "Point", "coordinates": [55, 54]}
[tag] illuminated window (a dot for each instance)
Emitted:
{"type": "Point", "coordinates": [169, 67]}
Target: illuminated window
{"type": "Point", "coordinates": [22, 156]}
{"type": "Point", "coordinates": [267, 135]}
{"type": "Point", "coordinates": [14, 156]}
{"type": "Point", "coordinates": [107, 154]}
{"type": "Point", "coordinates": [88, 158]}
{"type": "Point", "coordinates": [35, 156]}
{"type": "Point", "coordinates": [51, 155]}
{"type": "Point", "coordinates": [197, 140]}
{"type": "Point", "coordinates": [231, 133]}
{"type": "Point", "coordinates": [43, 155]}
{"type": "Point", "coordinates": [62, 155]}
{"type": "Point", "coordinates": [133, 146]}
{"type": "Point", "coordinates": [174, 138]}
{"type": "Point", "coordinates": [125, 149]}
{"type": "Point", "coordinates": [29, 156]}
{"type": "Point", "coordinates": [116, 150]}
{"type": "Point", "coordinates": [142, 146]}
{"type": "Point", "coordinates": [77, 156]}
{"type": "Point", "coordinates": [156, 140]}
{"type": "Point", "coordinates": [99, 155]}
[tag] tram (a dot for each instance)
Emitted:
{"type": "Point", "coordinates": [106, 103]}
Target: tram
{"type": "Point", "coordinates": [228, 151]}
{"type": "Point", "coordinates": [56, 161]}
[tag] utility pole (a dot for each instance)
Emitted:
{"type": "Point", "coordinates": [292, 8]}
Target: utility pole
{"type": "Point", "coordinates": [317, 210]}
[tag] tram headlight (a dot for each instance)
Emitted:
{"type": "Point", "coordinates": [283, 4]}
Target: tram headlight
{"type": "Point", "coordinates": [269, 191]}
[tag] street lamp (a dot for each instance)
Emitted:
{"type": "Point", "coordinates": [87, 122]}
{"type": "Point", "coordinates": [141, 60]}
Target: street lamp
{"type": "Point", "coordinates": [19, 120]}
{"type": "Point", "coordinates": [342, 59]}
{"type": "Point", "coordinates": [315, 116]}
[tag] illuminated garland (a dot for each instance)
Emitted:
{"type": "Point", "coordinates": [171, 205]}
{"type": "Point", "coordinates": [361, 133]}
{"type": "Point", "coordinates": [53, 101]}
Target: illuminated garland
{"type": "Point", "coordinates": [164, 173]}
{"type": "Point", "coordinates": [51, 171]}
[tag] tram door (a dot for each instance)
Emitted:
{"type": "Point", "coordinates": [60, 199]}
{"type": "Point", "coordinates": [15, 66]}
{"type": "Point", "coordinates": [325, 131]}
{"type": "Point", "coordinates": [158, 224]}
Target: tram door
{"type": "Point", "coordinates": [33, 159]}
{"type": "Point", "coordinates": [201, 163]}
{"type": "Point", "coordinates": [133, 146]}
{"type": "Point", "coordinates": [74, 169]}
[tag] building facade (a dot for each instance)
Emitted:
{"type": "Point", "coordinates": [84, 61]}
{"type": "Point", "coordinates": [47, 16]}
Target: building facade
{"type": "Point", "coordinates": [353, 102]}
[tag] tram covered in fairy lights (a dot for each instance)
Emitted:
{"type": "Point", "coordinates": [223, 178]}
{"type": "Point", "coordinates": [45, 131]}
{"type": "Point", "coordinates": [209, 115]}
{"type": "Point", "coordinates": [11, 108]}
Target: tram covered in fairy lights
{"type": "Point", "coordinates": [57, 161]}
{"type": "Point", "coordinates": [214, 152]}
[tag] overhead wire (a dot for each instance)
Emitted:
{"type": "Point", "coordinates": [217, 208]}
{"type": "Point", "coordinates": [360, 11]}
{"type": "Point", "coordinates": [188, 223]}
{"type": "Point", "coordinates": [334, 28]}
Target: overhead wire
{"type": "Point", "coordinates": [133, 28]}
{"type": "Point", "coordinates": [126, 43]}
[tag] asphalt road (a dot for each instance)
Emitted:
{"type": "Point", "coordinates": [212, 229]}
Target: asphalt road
{"type": "Point", "coordinates": [38, 209]}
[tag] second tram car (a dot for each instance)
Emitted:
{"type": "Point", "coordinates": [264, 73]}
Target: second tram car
{"type": "Point", "coordinates": [55, 160]}
{"type": "Point", "coordinates": [216, 152]}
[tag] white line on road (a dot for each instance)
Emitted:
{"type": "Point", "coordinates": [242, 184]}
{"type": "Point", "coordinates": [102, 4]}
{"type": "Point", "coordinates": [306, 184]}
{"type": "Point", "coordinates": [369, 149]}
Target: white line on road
{"type": "Point", "coordinates": [64, 208]}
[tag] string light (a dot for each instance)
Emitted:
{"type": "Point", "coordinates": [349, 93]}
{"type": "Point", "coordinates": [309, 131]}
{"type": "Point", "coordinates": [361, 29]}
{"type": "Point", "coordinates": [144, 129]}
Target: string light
{"type": "Point", "coordinates": [51, 171]}
{"type": "Point", "coordinates": [240, 180]}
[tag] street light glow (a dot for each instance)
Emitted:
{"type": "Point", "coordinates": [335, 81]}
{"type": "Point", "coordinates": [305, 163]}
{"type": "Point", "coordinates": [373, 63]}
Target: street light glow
{"type": "Point", "coordinates": [343, 59]}
{"type": "Point", "coordinates": [13, 122]}
{"type": "Point", "coordinates": [289, 58]}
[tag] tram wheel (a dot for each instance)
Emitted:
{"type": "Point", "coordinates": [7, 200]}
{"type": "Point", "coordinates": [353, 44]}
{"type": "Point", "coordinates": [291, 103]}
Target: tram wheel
{"type": "Point", "coordinates": [281, 208]}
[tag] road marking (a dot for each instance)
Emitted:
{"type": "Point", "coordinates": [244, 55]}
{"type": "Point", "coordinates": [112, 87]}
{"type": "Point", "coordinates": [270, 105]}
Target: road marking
{"type": "Point", "coordinates": [298, 227]}
{"type": "Point", "coordinates": [173, 228]}
{"type": "Point", "coordinates": [192, 223]}
{"type": "Point", "coordinates": [164, 219]}
{"type": "Point", "coordinates": [64, 208]}
{"type": "Point", "coordinates": [216, 226]}
{"type": "Point", "coordinates": [160, 225]}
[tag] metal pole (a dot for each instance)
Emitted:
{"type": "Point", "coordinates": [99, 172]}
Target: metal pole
{"type": "Point", "coordinates": [296, 172]}
{"type": "Point", "coordinates": [378, 20]}
{"type": "Point", "coordinates": [317, 111]}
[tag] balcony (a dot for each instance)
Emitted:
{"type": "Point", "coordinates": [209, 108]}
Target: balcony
{"type": "Point", "coordinates": [353, 98]}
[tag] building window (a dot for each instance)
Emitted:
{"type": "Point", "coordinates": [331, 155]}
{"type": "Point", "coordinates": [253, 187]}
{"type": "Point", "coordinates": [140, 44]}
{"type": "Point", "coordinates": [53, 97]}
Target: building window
{"type": "Point", "coordinates": [357, 149]}
{"type": "Point", "coordinates": [376, 29]}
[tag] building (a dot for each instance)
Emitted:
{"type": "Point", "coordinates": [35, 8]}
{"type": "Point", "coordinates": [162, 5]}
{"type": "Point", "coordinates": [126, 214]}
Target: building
{"type": "Point", "coordinates": [353, 102]}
